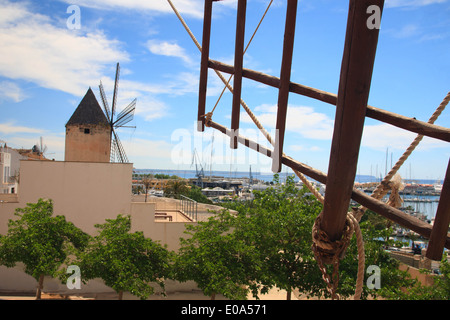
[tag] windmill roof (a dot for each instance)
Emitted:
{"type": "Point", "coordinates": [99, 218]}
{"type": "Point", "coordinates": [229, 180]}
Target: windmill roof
{"type": "Point", "coordinates": [88, 112]}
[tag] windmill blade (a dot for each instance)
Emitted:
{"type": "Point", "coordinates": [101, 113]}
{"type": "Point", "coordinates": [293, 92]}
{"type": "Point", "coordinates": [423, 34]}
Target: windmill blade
{"type": "Point", "coordinates": [119, 150]}
{"type": "Point", "coordinates": [105, 102]}
{"type": "Point", "coordinates": [112, 157]}
{"type": "Point", "coordinates": [43, 148]}
{"type": "Point", "coordinates": [116, 88]}
{"type": "Point", "coordinates": [126, 115]}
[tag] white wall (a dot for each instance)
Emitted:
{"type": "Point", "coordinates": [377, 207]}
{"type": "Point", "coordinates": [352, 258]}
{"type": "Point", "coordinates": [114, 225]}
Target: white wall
{"type": "Point", "coordinates": [86, 194]}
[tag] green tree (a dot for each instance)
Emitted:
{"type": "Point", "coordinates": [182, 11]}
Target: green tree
{"type": "Point", "coordinates": [175, 188]}
{"type": "Point", "coordinates": [414, 290]}
{"type": "Point", "coordinates": [39, 240]}
{"type": "Point", "coordinates": [279, 224]}
{"type": "Point", "coordinates": [376, 236]}
{"type": "Point", "coordinates": [146, 181]}
{"type": "Point", "coordinates": [125, 261]}
{"type": "Point", "coordinates": [216, 259]}
{"type": "Point", "coordinates": [195, 193]}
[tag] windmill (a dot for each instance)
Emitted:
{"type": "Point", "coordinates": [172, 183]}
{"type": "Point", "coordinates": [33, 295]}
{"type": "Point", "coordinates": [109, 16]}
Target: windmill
{"type": "Point", "coordinates": [124, 117]}
{"type": "Point", "coordinates": [40, 148]}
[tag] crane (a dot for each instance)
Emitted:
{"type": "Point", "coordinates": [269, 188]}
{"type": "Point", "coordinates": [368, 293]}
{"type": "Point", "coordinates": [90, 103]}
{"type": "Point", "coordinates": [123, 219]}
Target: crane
{"type": "Point", "coordinates": [199, 174]}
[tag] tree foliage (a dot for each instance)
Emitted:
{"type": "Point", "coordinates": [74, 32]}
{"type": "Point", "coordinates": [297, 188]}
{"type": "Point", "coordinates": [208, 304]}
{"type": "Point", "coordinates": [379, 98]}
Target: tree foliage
{"type": "Point", "coordinates": [125, 261]}
{"type": "Point", "coordinates": [279, 223]}
{"type": "Point", "coordinates": [216, 259]}
{"type": "Point", "coordinates": [177, 187]}
{"type": "Point", "coordinates": [277, 227]}
{"type": "Point", "coordinates": [195, 193]}
{"type": "Point", "coordinates": [39, 240]}
{"type": "Point", "coordinates": [439, 290]}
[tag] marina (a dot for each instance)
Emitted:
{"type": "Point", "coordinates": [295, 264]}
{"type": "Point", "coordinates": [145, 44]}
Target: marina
{"type": "Point", "coordinates": [420, 196]}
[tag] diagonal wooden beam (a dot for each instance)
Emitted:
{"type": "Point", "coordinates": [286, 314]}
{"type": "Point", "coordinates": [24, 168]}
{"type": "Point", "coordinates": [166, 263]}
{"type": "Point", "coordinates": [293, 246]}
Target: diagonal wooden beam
{"type": "Point", "coordinates": [353, 94]}
{"type": "Point", "coordinates": [285, 80]}
{"type": "Point", "coordinates": [391, 213]}
{"type": "Point", "coordinates": [204, 66]}
{"type": "Point", "coordinates": [238, 65]}
{"type": "Point", "coordinates": [441, 222]}
{"type": "Point", "coordinates": [397, 120]}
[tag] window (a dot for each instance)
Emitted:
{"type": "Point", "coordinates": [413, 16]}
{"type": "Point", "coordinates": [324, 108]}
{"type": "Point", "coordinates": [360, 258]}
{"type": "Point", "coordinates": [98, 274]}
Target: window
{"type": "Point", "coordinates": [87, 131]}
{"type": "Point", "coordinates": [5, 174]}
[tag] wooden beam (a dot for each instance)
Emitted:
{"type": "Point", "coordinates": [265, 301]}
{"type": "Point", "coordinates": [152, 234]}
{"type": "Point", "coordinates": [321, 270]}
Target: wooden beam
{"type": "Point", "coordinates": [410, 124]}
{"type": "Point", "coordinates": [238, 65]}
{"type": "Point", "coordinates": [354, 87]}
{"type": "Point", "coordinates": [285, 80]}
{"type": "Point", "coordinates": [204, 66]}
{"type": "Point", "coordinates": [441, 222]}
{"type": "Point", "coordinates": [400, 121]}
{"type": "Point", "coordinates": [393, 214]}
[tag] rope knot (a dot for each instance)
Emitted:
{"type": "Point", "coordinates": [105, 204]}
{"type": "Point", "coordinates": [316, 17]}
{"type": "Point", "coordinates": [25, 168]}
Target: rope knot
{"type": "Point", "coordinates": [208, 118]}
{"type": "Point", "coordinates": [330, 252]}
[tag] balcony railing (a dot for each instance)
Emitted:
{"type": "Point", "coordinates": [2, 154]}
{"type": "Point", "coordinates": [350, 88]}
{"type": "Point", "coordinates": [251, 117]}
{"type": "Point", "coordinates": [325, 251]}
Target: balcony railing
{"type": "Point", "coordinates": [189, 207]}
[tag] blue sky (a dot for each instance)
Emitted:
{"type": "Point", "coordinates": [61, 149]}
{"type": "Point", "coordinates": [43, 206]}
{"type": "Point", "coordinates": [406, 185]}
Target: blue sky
{"type": "Point", "coordinates": [46, 68]}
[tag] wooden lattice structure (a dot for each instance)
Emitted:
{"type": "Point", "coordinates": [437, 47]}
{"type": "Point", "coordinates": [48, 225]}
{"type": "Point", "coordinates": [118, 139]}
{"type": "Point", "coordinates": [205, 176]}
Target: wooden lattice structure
{"type": "Point", "coordinates": [351, 110]}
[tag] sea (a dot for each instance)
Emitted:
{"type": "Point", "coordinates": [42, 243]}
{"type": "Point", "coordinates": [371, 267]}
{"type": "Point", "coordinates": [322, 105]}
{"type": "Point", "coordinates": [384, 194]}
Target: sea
{"type": "Point", "coordinates": [427, 204]}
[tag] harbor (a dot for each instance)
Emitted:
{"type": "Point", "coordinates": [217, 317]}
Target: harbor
{"type": "Point", "coordinates": [420, 196]}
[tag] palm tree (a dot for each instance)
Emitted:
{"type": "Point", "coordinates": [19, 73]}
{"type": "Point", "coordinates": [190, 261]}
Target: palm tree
{"type": "Point", "coordinates": [175, 188]}
{"type": "Point", "coordinates": [147, 182]}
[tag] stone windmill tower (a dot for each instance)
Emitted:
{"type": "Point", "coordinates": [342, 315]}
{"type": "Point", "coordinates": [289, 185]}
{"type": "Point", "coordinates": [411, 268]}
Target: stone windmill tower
{"type": "Point", "coordinates": [88, 132]}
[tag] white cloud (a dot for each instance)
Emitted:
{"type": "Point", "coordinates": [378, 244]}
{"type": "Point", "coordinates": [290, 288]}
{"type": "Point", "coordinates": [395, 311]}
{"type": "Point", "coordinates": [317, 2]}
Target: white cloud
{"type": "Point", "coordinates": [146, 153]}
{"type": "Point", "coordinates": [67, 60]}
{"type": "Point", "coordinates": [151, 108]}
{"type": "Point", "coordinates": [18, 136]}
{"type": "Point", "coordinates": [11, 128]}
{"type": "Point", "coordinates": [319, 126]}
{"type": "Point", "coordinates": [11, 91]}
{"type": "Point", "coordinates": [166, 48]}
{"type": "Point", "coordinates": [304, 148]}
{"type": "Point", "coordinates": [382, 136]}
{"type": "Point", "coordinates": [52, 57]}
{"type": "Point", "coordinates": [406, 31]}
{"type": "Point", "coordinates": [300, 119]}
{"type": "Point", "coordinates": [193, 8]}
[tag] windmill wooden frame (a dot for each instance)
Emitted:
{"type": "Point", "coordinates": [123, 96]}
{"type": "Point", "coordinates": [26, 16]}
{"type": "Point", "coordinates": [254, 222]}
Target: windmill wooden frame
{"type": "Point", "coordinates": [124, 117]}
{"type": "Point", "coordinates": [351, 110]}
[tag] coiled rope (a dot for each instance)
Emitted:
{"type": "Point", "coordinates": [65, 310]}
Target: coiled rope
{"type": "Point", "coordinates": [325, 250]}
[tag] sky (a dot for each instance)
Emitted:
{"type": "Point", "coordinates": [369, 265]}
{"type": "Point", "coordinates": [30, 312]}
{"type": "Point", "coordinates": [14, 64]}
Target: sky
{"type": "Point", "coordinates": [52, 51]}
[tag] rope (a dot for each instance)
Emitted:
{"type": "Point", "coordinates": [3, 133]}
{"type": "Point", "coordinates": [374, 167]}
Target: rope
{"type": "Point", "coordinates": [309, 185]}
{"type": "Point", "coordinates": [381, 190]}
{"type": "Point", "coordinates": [330, 252]}
{"type": "Point", "coordinates": [248, 44]}
{"type": "Point", "coordinates": [255, 120]}
{"type": "Point", "coordinates": [244, 105]}
{"type": "Point", "coordinates": [325, 250]}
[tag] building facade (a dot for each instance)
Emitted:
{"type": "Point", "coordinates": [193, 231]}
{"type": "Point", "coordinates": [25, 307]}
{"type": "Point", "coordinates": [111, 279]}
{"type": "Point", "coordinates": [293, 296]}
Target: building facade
{"type": "Point", "coordinates": [9, 169]}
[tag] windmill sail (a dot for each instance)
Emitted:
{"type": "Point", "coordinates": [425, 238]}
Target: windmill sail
{"type": "Point", "coordinates": [119, 151]}
{"type": "Point", "coordinates": [116, 88]}
{"type": "Point", "coordinates": [105, 102]}
{"type": "Point", "coordinates": [125, 116]}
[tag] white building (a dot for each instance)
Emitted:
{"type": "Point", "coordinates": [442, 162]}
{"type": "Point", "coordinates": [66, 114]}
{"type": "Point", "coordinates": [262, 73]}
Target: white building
{"type": "Point", "coordinates": [9, 169]}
